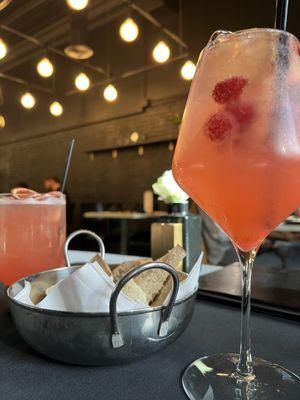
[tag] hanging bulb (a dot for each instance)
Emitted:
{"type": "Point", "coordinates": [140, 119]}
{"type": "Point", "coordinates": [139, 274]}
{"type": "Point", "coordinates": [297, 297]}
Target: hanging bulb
{"type": "Point", "coordinates": [129, 30]}
{"type": "Point", "coordinates": [188, 70]}
{"type": "Point", "coordinates": [82, 82]}
{"type": "Point", "coordinates": [28, 100]}
{"type": "Point", "coordinates": [110, 93]}
{"type": "Point", "coordinates": [134, 136]}
{"type": "Point", "coordinates": [161, 52]}
{"type": "Point", "coordinates": [2, 122]}
{"type": "Point", "coordinates": [56, 109]}
{"type": "Point", "coordinates": [78, 5]}
{"type": "Point", "coordinates": [45, 67]}
{"type": "Point", "coordinates": [3, 49]}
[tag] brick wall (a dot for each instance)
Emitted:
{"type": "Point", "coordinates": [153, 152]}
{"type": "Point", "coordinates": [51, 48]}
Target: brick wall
{"type": "Point", "coordinates": [98, 176]}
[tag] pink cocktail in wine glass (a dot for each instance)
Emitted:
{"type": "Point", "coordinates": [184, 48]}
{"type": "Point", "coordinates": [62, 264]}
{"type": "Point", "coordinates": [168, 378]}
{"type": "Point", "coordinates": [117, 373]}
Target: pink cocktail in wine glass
{"type": "Point", "coordinates": [238, 157]}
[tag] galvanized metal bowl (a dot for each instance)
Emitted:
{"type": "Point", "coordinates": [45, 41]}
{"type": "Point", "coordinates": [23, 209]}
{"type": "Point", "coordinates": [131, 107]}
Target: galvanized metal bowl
{"type": "Point", "coordinates": [99, 338]}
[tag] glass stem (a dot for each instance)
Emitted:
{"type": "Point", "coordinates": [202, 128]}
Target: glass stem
{"type": "Point", "coordinates": [244, 368]}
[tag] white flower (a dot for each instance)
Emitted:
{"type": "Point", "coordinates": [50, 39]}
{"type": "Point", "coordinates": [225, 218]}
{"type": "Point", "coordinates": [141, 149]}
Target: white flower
{"type": "Point", "coordinates": [168, 190]}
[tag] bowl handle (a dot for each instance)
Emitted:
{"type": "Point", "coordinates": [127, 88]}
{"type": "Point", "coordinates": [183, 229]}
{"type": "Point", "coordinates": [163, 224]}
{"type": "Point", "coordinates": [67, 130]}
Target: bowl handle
{"type": "Point", "coordinates": [83, 232]}
{"type": "Point", "coordinates": [116, 337]}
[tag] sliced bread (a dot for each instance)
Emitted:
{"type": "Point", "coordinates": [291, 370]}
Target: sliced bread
{"type": "Point", "coordinates": [125, 267]}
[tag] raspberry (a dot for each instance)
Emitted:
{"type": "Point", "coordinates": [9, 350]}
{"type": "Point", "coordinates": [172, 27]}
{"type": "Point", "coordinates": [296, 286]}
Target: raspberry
{"type": "Point", "coordinates": [243, 112]}
{"type": "Point", "coordinates": [229, 89]}
{"type": "Point", "coordinates": [219, 126]}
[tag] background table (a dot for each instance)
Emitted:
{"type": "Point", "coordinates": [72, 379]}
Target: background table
{"type": "Point", "coordinates": [123, 217]}
{"type": "Point", "coordinates": [215, 328]}
{"type": "Point", "coordinates": [288, 227]}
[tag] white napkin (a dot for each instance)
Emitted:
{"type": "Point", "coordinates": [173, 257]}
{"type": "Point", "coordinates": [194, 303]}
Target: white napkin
{"type": "Point", "coordinates": [190, 284]}
{"type": "Point", "coordinates": [24, 295]}
{"type": "Point", "coordinates": [86, 290]}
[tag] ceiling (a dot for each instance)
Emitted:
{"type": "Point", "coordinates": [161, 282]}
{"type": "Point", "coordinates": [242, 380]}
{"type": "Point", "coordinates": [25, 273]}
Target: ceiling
{"type": "Point", "coordinates": [49, 22]}
{"type": "Point", "coordinates": [190, 22]}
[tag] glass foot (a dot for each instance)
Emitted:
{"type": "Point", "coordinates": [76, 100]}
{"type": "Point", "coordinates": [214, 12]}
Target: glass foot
{"type": "Point", "coordinates": [213, 378]}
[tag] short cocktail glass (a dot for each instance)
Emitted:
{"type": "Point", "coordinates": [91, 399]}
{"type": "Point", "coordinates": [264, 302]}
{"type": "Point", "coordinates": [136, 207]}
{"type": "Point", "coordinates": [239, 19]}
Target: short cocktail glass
{"type": "Point", "coordinates": [32, 236]}
{"type": "Point", "coordinates": [238, 157]}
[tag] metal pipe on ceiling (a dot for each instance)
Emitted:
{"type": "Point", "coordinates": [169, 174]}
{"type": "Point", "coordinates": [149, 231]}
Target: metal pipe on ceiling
{"type": "Point", "coordinates": [20, 81]}
{"type": "Point", "coordinates": [131, 73]}
{"type": "Point", "coordinates": [156, 23]}
{"type": "Point", "coordinates": [37, 42]}
{"type": "Point", "coordinates": [93, 67]}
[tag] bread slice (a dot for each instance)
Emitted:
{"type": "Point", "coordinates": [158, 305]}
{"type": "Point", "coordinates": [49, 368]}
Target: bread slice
{"type": "Point", "coordinates": [125, 267]}
{"type": "Point", "coordinates": [146, 286]}
{"type": "Point", "coordinates": [166, 289]}
{"type": "Point", "coordinates": [102, 263]}
{"type": "Point", "coordinates": [174, 257]}
{"type": "Point", "coordinates": [153, 280]}
{"type": "Point", "coordinates": [132, 290]}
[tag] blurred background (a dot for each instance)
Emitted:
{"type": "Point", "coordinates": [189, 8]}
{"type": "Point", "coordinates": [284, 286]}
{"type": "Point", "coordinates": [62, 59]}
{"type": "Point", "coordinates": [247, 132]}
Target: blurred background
{"type": "Point", "coordinates": [114, 75]}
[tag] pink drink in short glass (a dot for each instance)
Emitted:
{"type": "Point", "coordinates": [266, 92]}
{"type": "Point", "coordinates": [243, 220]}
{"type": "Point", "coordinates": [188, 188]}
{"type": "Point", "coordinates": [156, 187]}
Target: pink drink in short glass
{"type": "Point", "coordinates": [32, 235]}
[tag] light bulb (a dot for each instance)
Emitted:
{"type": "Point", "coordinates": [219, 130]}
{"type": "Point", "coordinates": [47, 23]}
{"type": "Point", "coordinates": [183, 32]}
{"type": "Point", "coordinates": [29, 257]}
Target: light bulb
{"type": "Point", "coordinates": [188, 70]}
{"type": "Point", "coordinates": [110, 93]}
{"type": "Point", "coordinates": [2, 122]}
{"type": "Point", "coordinates": [56, 109]}
{"type": "Point", "coordinates": [82, 82]}
{"type": "Point", "coordinates": [45, 67]}
{"type": "Point", "coordinates": [77, 5]}
{"type": "Point", "coordinates": [3, 49]}
{"type": "Point", "coordinates": [134, 136]}
{"type": "Point", "coordinates": [129, 30]}
{"type": "Point", "coordinates": [161, 52]}
{"type": "Point", "coordinates": [28, 100]}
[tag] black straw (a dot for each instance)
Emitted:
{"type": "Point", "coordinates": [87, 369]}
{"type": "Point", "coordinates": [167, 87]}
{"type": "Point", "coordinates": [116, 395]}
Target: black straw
{"type": "Point", "coordinates": [281, 14]}
{"type": "Point", "coordinates": [67, 166]}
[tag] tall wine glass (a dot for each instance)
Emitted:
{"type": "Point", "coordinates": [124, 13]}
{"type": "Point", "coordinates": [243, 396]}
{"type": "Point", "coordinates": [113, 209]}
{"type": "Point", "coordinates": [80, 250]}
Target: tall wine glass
{"type": "Point", "coordinates": [238, 157]}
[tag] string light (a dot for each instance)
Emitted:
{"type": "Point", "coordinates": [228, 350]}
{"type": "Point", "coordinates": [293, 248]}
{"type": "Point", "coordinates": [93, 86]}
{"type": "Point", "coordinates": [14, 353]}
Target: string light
{"type": "Point", "coordinates": [45, 67]}
{"type": "Point", "coordinates": [2, 122]}
{"type": "Point", "coordinates": [161, 52]}
{"type": "Point", "coordinates": [188, 70]}
{"type": "Point", "coordinates": [110, 93]}
{"type": "Point", "coordinates": [56, 109]}
{"type": "Point", "coordinates": [114, 154]}
{"type": "Point", "coordinates": [134, 137]}
{"type": "Point", "coordinates": [129, 30]}
{"type": "Point", "coordinates": [78, 5]}
{"type": "Point", "coordinates": [28, 100]}
{"type": "Point", "coordinates": [3, 49]}
{"type": "Point", "coordinates": [82, 82]}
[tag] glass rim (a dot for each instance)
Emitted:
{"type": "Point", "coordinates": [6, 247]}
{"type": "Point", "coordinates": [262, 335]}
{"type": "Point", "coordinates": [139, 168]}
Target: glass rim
{"type": "Point", "coordinates": [7, 197]}
{"type": "Point", "coordinates": [270, 30]}
{"type": "Point", "coordinates": [226, 35]}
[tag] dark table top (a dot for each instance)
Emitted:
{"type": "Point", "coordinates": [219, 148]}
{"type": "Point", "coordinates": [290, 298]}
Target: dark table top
{"type": "Point", "coordinates": [214, 329]}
